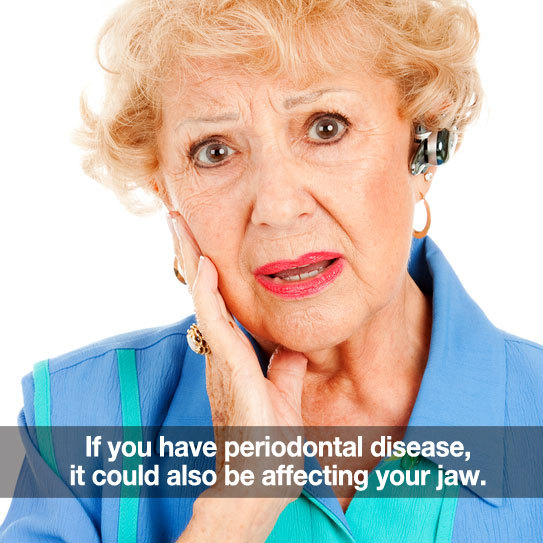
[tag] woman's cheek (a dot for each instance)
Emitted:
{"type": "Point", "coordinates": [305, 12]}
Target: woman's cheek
{"type": "Point", "coordinates": [380, 231]}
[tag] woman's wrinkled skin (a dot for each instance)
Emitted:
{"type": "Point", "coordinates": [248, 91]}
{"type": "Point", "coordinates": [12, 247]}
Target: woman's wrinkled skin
{"type": "Point", "coordinates": [353, 353]}
{"type": "Point", "coordinates": [283, 192]}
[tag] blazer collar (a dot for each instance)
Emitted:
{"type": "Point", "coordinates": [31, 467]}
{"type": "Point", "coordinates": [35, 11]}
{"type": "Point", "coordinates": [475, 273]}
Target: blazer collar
{"type": "Point", "coordinates": [464, 380]}
{"type": "Point", "coordinates": [465, 377]}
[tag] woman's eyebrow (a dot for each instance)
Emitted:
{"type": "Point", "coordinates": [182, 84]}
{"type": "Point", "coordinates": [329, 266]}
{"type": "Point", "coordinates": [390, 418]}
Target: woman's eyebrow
{"type": "Point", "coordinates": [288, 103]}
{"type": "Point", "coordinates": [307, 98]}
{"type": "Point", "coordinates": [216, 119]}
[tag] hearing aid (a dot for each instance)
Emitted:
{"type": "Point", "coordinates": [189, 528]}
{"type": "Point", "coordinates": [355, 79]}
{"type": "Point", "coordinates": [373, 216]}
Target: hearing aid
{"type": "Point", "coordinates": [435, 148]}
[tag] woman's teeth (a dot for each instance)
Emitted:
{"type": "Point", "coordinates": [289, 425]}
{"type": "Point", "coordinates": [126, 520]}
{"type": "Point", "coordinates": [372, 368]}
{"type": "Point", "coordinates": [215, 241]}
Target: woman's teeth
{"type": "Point", "coordinates": [302, 275]}
{"type": "Point", "coordinates": [290, 275]}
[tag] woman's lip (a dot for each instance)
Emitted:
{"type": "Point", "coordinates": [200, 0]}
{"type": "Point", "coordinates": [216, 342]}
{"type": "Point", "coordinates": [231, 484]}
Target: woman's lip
{"type": "Point", "coordinates": [305, 287]}
{"type": "Point", "coordinates": [304, 260]}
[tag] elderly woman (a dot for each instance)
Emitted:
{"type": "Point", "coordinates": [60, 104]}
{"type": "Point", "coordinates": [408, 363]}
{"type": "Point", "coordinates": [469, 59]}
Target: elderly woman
{"type": "Point", "coordinates": [289, 141]}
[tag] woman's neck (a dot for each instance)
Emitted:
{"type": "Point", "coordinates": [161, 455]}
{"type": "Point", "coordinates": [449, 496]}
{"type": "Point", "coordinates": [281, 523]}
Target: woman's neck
{"type": "Point", "coordinates": [372, 378]}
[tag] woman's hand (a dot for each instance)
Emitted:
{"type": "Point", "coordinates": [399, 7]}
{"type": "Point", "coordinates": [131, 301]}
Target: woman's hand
{"type": "Point", "coordinates": [239, 394]}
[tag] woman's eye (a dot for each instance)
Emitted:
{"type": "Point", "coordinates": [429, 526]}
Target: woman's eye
{"type": "Point", "coordinates": [212, 153]}
{"type": "Point", "coordinates": [328, 127]}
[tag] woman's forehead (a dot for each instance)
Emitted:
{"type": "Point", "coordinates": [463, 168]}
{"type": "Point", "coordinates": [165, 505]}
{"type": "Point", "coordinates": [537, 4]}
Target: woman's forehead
{"type": "Point", "coordinates": [213, 91]}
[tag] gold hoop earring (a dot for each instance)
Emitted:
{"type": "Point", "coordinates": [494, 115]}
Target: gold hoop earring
{"type": "Point", "coordinates": [421, 233]}
{"type": "Point", "coordinates": [176, 271]}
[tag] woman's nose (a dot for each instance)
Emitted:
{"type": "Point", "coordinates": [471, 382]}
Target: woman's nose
{"type": "Point", "coordinates": [282, 197]}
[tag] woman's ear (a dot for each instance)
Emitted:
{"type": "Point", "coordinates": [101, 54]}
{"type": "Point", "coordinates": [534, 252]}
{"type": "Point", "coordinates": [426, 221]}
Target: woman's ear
{"type": "Point", "coordinates": [159, 186]}
{"type": "Point", "coordinates": [422, 182]}
{"type": "Point", "coordinates": [154, 186]}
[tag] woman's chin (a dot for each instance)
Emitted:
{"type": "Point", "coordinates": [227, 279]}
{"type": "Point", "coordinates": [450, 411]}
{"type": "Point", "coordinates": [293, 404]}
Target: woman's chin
{"type": "Point", "coordinates": [309, 330]}
{"type": "Point", "coordinates": [311, 325]}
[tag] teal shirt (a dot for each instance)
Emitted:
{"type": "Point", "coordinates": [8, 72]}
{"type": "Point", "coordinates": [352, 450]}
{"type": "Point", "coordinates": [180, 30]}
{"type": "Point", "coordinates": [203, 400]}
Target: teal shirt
{"type": "Point", "coordinates": [372, 519]}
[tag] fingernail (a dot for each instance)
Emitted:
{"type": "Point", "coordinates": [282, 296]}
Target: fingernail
{"type": "Point", "coordinates": [274, 354]}
{"type": "Point", "coordinates": [173, 222]}
{"type": "Point", "coordinates": [177, 228]}
{"type": "Point", "coordinates": [170, 223]}
{"type": "Point", "coordinates": [200, 263]}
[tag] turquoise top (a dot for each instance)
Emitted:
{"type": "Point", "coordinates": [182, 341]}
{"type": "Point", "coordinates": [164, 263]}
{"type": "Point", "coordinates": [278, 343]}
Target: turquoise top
{"type": "Point", "coordinates": [370, 519]}
{"type": "Point", "coordinates": [476, 375]}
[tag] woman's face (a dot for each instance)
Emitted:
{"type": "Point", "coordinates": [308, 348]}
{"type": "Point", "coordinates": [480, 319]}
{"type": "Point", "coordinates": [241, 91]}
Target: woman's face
{"type": "Point", "coordinates": [263, 171]}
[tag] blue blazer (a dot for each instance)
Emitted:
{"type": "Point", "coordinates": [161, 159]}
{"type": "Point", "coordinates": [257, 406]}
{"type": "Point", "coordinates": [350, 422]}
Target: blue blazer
{"type": "Point", "coordinates": [476, 375]}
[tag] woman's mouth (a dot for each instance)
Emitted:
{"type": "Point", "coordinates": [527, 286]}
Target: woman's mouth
{"type": "Point", "coordinates": [301, 272]}
{"type": "Point", "coordinates": [301, 277]}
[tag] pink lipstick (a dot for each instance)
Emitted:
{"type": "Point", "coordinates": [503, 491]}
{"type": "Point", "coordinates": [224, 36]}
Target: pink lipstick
{"type": "Point", "coordinates": [302, 277]}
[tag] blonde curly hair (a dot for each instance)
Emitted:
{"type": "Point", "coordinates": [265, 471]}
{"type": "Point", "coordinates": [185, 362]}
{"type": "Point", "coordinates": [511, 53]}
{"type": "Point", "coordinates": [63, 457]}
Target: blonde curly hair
{"type": "Point", "coordinates": [427, 47]}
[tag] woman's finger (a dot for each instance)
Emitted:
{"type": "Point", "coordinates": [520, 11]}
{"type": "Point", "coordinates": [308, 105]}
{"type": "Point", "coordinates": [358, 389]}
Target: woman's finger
{"type": "Point", "coordinates": [190, 249]}
{"type": "Point", "coordinates": [219, 332]}
{"type": "Point", "coordinates": [287, 371]}
{"type": "Point", "coordinates": [192, 252]}
{"type": "Point", "coordinates": [214, 319]}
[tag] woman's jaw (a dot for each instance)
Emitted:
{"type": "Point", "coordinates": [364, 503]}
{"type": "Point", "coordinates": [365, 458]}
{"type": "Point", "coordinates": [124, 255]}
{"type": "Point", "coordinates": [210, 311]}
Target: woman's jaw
{"type": "Point", "coordinates": [338, 338]}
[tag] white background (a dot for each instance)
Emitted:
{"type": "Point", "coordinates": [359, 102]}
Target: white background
{"type": "Point", "coordinates": [76, 267]}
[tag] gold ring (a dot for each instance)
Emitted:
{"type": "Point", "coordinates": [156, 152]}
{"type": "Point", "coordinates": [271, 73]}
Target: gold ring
{"type": "Point", "coordinates": [196, 340]}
